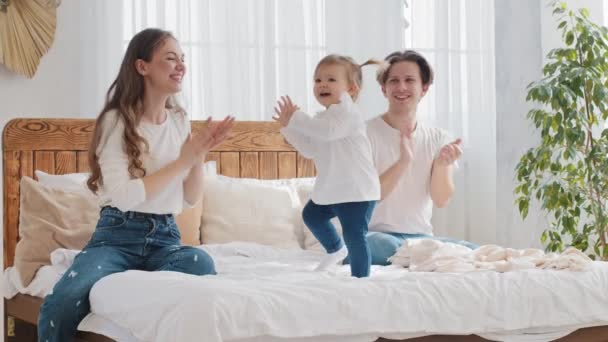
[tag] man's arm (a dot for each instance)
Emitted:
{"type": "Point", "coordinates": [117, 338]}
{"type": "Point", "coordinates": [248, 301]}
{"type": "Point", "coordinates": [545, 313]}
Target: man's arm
{"type": "Point", "coordinates": [390, 177]}
{"type": "Point", "coordinates": [442, 182]}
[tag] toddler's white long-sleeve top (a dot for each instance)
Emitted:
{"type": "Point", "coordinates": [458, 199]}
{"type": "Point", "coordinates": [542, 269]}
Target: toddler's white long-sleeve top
{"type": "Point", "coordinates": [337, 142]}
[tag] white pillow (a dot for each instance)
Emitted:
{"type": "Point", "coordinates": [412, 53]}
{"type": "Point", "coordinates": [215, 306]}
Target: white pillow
{"type": "Point", "coordinates": [293, 183]}
{"type": "Point", "coordinates": [239, 209]}
{"type": "Point", "coordinates": [73, 182]}
{"type": "Point", "coordinates": [310, 241]}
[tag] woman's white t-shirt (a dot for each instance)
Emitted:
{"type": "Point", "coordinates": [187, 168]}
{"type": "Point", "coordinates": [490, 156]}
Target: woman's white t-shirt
{"type": "Point", "coordinates": [122, 191]}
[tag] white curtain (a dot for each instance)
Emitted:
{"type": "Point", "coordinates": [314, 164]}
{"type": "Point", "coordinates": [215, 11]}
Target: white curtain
{"type": "Point", "coordinates": [243, 54]}
{"type": "Point", "coordinates": [457, 37]}
{"type": "Point", "coordinates": [99, 48]}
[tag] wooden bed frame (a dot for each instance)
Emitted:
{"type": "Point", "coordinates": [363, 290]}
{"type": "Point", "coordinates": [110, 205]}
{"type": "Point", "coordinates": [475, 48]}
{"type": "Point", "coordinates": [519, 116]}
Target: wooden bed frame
{"type": "Point", "coordinates": [59, 146]}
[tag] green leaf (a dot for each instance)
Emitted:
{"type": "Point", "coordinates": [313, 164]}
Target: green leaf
{"type": "Point", "coordinates": [569, 38]}
{"type": "Point", "coordinates": [523, 208]}
{"type": "Point", "coordinates": [558, 11]}
{"type": "Point", "coordinates": [543, 237]}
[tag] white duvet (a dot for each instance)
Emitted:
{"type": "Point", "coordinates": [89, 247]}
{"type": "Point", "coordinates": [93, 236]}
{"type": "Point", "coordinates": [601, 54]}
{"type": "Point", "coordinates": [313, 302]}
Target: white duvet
{"type": "Point", "coordinates": [263, 291]}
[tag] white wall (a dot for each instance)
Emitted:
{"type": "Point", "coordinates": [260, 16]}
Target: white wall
{"type": "Point", "coordinates": [518, 62]}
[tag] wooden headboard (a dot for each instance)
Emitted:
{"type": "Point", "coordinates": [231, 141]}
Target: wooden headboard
{"type": "Point", "coordinates": [59, 146]}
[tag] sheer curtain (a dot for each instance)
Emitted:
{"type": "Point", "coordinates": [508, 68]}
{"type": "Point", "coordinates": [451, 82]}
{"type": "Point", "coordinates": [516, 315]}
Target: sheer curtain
{"type": "Point", "coordinates": [243, 54]}
{"type": "Point", "coordinates": [100, 49]}
{"type": "Point", "coordinates": [457, 37]}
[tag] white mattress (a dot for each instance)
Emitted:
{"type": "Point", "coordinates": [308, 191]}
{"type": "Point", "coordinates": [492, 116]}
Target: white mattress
{"type": "Point", "coordinates": [267, 294]}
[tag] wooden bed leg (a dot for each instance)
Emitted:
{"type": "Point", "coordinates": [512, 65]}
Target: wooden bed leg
{"type": "Point", "coordinates": [10, 326]}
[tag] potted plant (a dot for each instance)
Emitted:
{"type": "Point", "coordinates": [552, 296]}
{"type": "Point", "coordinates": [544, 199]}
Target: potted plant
{"type": "Point", "coordinates": [567, 173]}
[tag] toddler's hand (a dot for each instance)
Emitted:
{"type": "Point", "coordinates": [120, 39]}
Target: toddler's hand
{"type": "Point", "coordinates": [284, 111]}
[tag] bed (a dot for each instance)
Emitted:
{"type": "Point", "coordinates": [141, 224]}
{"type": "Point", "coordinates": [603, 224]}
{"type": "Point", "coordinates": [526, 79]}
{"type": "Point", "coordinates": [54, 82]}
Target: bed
{"type": "Point", "coordinates": [59, 146]}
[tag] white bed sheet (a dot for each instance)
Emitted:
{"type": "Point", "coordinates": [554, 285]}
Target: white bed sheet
{"type": "Point", "coordinates": [268, 294]}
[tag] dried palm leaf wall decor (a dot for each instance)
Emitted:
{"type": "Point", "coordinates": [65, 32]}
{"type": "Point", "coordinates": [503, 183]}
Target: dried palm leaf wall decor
{"type": "Point", "coordinates": [27, 31]}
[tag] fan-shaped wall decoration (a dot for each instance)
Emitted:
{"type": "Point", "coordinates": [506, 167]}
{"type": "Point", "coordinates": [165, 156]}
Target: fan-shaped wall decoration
{"type": "Point", "coordinates": [27, 31]}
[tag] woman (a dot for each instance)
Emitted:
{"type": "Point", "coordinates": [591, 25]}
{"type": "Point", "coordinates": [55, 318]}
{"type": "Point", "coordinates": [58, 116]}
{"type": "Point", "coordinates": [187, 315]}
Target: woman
{"type": "Point", "coordinates": [146, 166]}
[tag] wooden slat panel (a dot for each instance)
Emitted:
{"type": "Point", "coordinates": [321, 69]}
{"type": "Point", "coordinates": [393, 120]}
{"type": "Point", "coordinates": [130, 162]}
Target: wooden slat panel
{"type": "Point", "coordinates": [215, 156]}
{"type": "Point", "coordinates": [26, 161]}
{"type": "Point", "coordinates": [249, 165]}
{"type": "Point", "coordinates": [306, 167]}
{"type": "Point", "coordinates": [229, 164]}
{"type": "Point", "coordinates": [287, 164]}
{"type": "Point", "coordinates": [251, 136]}
{"type": "Point", "coordinates": [269, 167]}
{"type": "Point", "coordinates": [48, 134]}
{"type": "Point", "coordinates": [11, 205]}
{"type": "Point", "coordinates": [65, 162]}
{"type": "Point", "coordinates": [82, 163]}
{"type": "Point", "coordinates": [75, 135]}
{"type": "Point", "coordinates": [44, 161]}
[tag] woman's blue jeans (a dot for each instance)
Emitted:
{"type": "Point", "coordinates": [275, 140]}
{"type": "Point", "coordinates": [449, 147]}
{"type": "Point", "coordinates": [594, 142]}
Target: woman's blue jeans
{"type": "Point", "coordinates": [121, 241]}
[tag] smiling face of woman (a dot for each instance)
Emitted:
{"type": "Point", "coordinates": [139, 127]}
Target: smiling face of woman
{"type": "Point", "coordinates": [165, 70]}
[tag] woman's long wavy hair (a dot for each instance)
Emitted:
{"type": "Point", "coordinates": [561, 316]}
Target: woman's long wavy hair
{"type": "Point", "coordinates": [125, 96]}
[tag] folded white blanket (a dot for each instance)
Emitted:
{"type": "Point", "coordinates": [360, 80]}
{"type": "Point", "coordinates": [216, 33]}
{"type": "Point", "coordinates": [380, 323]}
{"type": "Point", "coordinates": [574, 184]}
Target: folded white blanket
{"type": "Point", "coordinates": [428, 255]}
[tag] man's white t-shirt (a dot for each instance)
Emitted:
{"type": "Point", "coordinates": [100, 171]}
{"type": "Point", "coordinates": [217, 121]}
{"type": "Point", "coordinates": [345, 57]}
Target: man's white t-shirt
{"type": "Point", "coordinates": [409, 207]}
